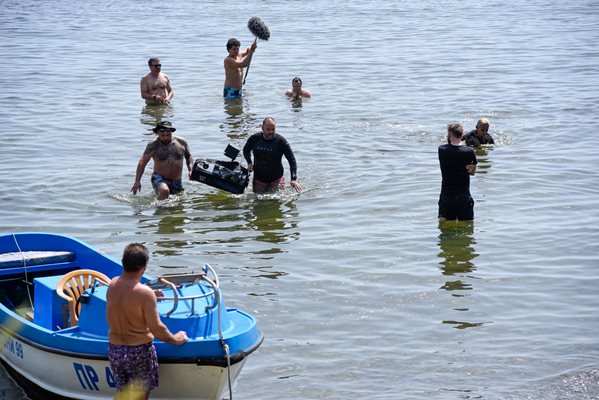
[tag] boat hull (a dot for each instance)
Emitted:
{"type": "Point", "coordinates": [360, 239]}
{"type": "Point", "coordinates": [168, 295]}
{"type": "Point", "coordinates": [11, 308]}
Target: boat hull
{"type": "Point", "coordinates": [92, 379]}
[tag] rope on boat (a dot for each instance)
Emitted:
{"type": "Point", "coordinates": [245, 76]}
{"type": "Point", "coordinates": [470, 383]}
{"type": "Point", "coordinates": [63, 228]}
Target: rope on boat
{"type": "Point", "coordinates": [25, 269]}
{"type": "Point", "coordinates": [220, 335]}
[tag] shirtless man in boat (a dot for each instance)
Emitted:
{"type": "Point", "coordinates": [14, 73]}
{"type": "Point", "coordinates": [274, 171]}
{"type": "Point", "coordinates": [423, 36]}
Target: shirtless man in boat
{"type": "Point", "coordinates": [168, 152]}
{"type": "Point", "coordinates": [133, 323]}
{"type": "Point", "coordinates": [234, 64]}
{"type": "Point", "coordinates": [155, 86]}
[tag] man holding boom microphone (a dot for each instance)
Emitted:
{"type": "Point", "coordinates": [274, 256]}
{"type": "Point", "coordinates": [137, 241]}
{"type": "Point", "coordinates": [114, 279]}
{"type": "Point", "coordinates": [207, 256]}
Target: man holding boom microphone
{"type": "Point", "coordinates": [234, 64]}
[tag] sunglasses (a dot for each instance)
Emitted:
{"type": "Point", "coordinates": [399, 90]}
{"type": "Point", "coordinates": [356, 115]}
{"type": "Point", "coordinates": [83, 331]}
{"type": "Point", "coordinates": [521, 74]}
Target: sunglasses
{"type": "Point", "coordinates": [156, 65]}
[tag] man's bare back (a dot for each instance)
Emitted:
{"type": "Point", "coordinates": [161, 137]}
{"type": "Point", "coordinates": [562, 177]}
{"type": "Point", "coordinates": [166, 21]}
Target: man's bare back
{"type": "Point", "coordinates": [126, 312]}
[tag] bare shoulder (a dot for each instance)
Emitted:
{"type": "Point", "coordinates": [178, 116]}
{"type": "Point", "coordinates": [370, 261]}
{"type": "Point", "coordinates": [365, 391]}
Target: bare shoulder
{"type": "Point", "coordinates": [151, 147]}
{"type": "Point", "coordinates": [152, 144]}
{"type": "Point", "coordinates": [143, 291]}
{"type": "Point", "coordinates": [181, 140]}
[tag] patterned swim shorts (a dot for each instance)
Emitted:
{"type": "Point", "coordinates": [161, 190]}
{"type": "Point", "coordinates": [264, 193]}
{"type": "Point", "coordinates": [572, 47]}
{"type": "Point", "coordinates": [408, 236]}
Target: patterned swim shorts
{"type": "Point", "coordinates": [174, 187]}
{"type": "Point", "coordinates": [231, 93]}
{"type": "Point", "coordinates": [135, 366]}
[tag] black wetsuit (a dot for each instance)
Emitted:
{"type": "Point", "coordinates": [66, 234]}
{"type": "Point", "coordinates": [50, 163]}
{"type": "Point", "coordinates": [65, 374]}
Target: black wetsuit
{"type": "Point", "coordinates": [474, 141]}
{"type": "Point", "coordinates": [455, 201]}
{"type": "Point", "coordinates": [267, 157]}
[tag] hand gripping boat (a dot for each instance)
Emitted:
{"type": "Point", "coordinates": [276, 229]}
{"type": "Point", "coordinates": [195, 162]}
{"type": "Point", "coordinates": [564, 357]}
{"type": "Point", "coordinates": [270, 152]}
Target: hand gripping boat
{"type": "Point", "coordinates": [225, 175]}
{"type": "Point", "coordinates": [53, 330]}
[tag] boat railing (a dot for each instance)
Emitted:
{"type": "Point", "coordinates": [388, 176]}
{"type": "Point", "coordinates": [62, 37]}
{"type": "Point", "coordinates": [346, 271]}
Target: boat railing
{"type": "Point", "coordinates": [178, 281]}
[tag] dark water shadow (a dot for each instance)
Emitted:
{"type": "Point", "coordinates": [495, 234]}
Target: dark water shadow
{"type": "Point", "coordinates": [456, 244]}
{"type": "Point", "coordinates": [275, 220]}
{"type": "Point", "coordinates": [296, 104]}
{"type": "Point", "coordinates": [482, 156]}
{"type": "Point", "coordinates": [168, 221]}
{"type": "Point", "coordinates": [239, 121]}
{"type": "Point", "coordinates": [151, 114]}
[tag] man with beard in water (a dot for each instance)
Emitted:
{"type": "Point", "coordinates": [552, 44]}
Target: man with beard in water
{"type": "Point", "coordinates": [269, 148]}
{"type": "Point", "coordinates": [297, 92]}
{"type": "Point", "coordinates": [168, 152]}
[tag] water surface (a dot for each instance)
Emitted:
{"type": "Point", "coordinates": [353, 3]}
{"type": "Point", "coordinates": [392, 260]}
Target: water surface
{"type": "Point", "coordinates": [359, 291]}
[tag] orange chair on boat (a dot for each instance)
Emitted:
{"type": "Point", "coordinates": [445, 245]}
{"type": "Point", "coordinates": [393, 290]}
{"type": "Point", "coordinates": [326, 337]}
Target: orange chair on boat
{"type": "Point", "coordinates": [73, 284]}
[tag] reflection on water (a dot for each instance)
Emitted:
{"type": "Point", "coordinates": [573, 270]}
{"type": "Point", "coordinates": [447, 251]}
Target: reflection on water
{"type": "Point", "coordinates": [168, 219]}
{"type": "Point", "coordinates": [275, 220]}
{"type": "Point", "coordinates": [238, 124]}
{"type": "Point", "coordinates": [151, 114]}
{"type": "Point", "coordinates": [296, 104]}
{"type": "Point", "coordinates": [484, 163]}
{"type": "Point", "coordinates": [457, 253]}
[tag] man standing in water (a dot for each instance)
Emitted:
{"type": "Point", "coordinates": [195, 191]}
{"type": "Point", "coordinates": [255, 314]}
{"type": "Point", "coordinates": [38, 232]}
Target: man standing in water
{"type": "Point", "coordinates": [234, 64]}
{"type": "Point", "coordinates": [155, 86]}
{"type": "Point", "coordinates": [269, 148]}
{"type": "Point", "coordinates": [457, 163]}
{"type": "Point", "coordinates": [480, 135]}
{"type": "Point", "coordinates": [168, 152]}
{"type": "Point", "coordinates": [133, 322]}
{"type": "Point", "coordinates": [297, 92]}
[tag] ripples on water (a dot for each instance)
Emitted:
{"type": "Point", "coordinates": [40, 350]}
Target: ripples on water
{"type": "Point", "coordinates": [359, 291]}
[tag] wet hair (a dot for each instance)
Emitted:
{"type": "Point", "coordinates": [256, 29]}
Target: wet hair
{"type": "Point", "coordinates": [267, 119]}
{"type": "Point", "coordinates": [135, 257]}
{"type": "Point", "coordinates": [297, 79]}
{"type": "Point", "coordinates": [455, 129]}
{"type": "Point", "coordinates": [483, 122]}
{"type": "Point", "coordinates": [233, 42]}
{"type": "Point", "coordinates": [151, 60]}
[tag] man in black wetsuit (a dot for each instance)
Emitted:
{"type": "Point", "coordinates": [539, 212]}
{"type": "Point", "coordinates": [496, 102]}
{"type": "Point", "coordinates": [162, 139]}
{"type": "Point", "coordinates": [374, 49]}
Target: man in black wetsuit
{"type": "Point", "coordinates": [480, 135]}
{"type": "Point", "coordinates": [269, 148]}
{"type": "Point", "coordinates": [457, 164]}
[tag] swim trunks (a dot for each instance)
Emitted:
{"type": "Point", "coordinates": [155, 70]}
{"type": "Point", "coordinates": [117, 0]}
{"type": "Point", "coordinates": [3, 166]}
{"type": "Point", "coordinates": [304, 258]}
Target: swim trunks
{"type": "Point", "coordinates": [231, 93]}
{"type": "Point", "coordinates": [173, 186]}
{"type": "Point", "coordinates": [262, 187]}
{"type": "Point", "coordinates": [135, 366]}
{"type": "Point", "coordinates": [456, 206]}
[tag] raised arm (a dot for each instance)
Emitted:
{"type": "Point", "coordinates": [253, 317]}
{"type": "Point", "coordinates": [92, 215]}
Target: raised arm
{"type": "Point", "coordinates": [155, 325]}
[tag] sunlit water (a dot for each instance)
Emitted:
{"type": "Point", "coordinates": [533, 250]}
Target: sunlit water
{"type": "Point", "coordinates": [358, 290]}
